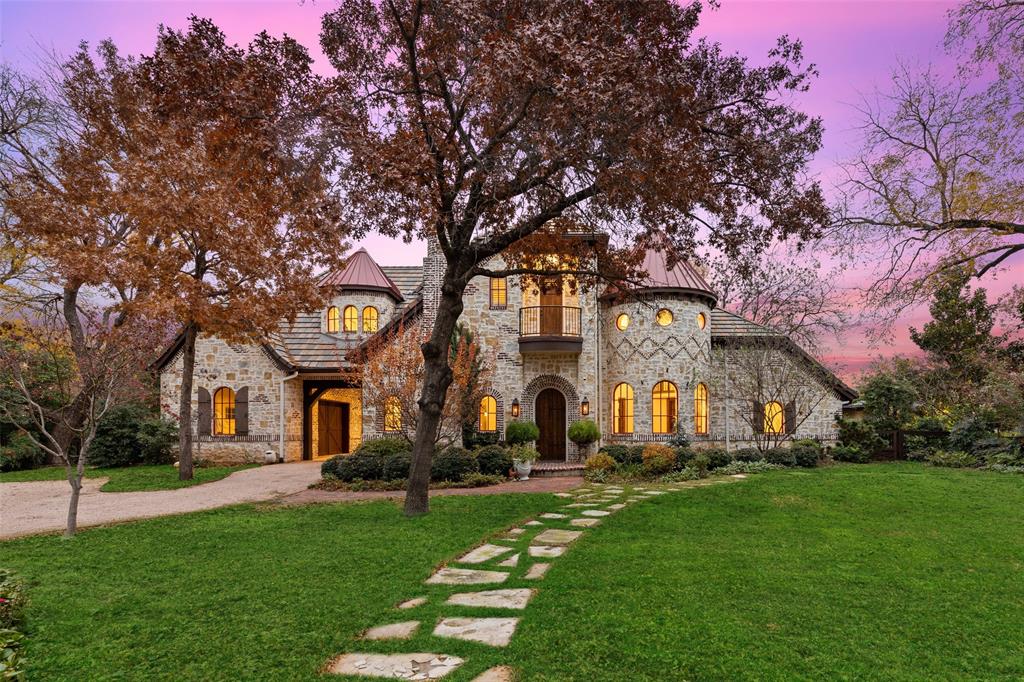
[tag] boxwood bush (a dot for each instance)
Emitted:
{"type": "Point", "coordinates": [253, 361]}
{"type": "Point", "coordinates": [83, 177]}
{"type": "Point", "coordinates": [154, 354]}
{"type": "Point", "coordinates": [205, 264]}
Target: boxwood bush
{"type": "Point", "coordinates": [493, 460]}
{"type": "Point", "coordinates": [781, 456]}
{"type": "Point", "coordinates": [396, 466]}
{"type": "Point", "coordinates": [717, 457]}
{"type": "Point", "coordinates": [383, 447]}
{"type": "Point", "coordinates": [519, 432]}
{"type": "Point", "coordinates": [748, 455]}
{"type": "Point", "coordinates": [806, 455]}
{"type": "Point", "coordinates": [453, 464]}
{"type": "Point", "coordinates": [850, 453]}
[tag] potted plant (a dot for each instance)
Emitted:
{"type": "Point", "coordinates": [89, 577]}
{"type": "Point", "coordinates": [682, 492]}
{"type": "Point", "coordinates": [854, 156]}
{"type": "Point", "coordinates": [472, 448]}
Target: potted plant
{"type": "Point", "coordinates": [584, 433]}
{"type": "Point", "coordinates": [523, 457]}
{"type": "Point", "coordinates": [521, 432]}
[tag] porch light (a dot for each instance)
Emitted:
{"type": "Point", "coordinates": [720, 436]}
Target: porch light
{"type": "Point", "coordinates": [515, 407]}
{"type": "Point", "coordinates": [585, 407]}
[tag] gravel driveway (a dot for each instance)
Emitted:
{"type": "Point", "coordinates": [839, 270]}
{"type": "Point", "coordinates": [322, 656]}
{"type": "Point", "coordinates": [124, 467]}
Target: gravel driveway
{"type": "Point", "coordinates": [42, 506]}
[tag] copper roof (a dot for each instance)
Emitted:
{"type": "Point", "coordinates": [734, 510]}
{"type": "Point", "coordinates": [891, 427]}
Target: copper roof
{"type": "Point", "coordinates": [682, 275]}
{"type": "Point", "coordinates": [361, 273]}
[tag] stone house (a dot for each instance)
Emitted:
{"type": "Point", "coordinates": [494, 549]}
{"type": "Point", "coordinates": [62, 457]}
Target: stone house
{"type": "Point", "coordinates": [643, 365]}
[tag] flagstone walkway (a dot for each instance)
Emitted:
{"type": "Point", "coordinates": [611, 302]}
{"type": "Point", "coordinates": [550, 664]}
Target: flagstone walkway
{"type": "Point", "coordinates": [545, 538]}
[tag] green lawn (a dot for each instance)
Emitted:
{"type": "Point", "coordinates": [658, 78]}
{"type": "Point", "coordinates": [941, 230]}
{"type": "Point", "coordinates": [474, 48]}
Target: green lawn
{"type": "Point", "coordinates": [128, 479]}
{"type": "Point", "coordinates": [894, 571]}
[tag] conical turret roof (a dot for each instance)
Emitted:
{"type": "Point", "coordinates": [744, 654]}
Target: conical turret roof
{"type": "Point", "coordinates": [361, 273]}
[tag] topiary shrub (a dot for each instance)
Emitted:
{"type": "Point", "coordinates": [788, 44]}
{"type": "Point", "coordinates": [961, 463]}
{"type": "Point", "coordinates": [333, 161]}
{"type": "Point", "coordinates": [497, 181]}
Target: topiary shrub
{"type": "Point", "coordinates": [599, 463]}
{"type": "Point", "coordinates": [383, 447]}
{"type": "Point", "coordinates": [957, 459]}
{"type": "Point", "coordinates": [396, 466]}
{"type": "Point", "coordinates": [584, 432]}
{"type": "Point", "coordinates": [493, 460]}
{"type": "Point", "coordinates": [781, 456]}
{"type": "Point", "coordinates": [131, 434]}
{"type": "Point", "coordinates": [452, 464]}
{"type": "Point", "coordinates": [748, 455]}
{"type": "Point", "coordinates": [518, 433]}
{"type": "Point", "coordinates": [850, 453]}
{"type": "Point", "coordinates": [717, 457]}
{"type": "Point", "coordinates": [21, 453]}
{"type": "Point", "coordinates": [804, 455]}
{"type": "Point", "coordinates": [658, 459]}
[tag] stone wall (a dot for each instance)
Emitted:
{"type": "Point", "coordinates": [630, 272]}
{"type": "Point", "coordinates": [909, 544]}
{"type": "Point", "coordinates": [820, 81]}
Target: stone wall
{"type": "Point", "coordinates": [384, 303]}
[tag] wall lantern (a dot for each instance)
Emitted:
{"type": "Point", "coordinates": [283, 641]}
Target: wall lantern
{"type": "Point", "coordinates": [585, 407]}
{"type": "Point", "coordinates": [515, 407]}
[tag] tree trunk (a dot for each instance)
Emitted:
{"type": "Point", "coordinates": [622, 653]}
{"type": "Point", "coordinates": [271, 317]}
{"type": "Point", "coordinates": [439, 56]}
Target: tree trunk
{"type": "Point", "coordinates": [188, 365]}
{"type": "Point", "coordinates": [437, 376]}
{"type": "Point", "coordinates": [75, 479]}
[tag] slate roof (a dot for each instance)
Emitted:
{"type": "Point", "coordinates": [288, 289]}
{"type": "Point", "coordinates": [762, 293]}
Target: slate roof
{"type": "Point", "coordinates": [408, 278]}
{"type": "Point", "coordinates": [361, 273]}
{"type": "Point", "coordinates": [730, 325]}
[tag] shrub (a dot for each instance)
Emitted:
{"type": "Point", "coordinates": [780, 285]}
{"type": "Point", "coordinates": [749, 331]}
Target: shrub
{"type": "Point", "coordinates": [700, 463]}
{"type": "Point", "coordinates": [13, 600]}
{"type": "Point", "coordinates": [363, 465]}
{"type": "Point", "coordinates": [679, 440]}
{"type": "Point", "coordinates": [12, 655]}
{"type": "Point", "coordinates": [685, 474]}
{"type": "Point", "coordinates": [805, 456]}
{"type": "Point", "coordinates": [132, 434]}
{"type": "Point", "coordinates": [860, 434]}
{"type": "Point", "coordinates": [717, 457]}
{"type": "Point", "coordinates": [957, 459]}
{"type": "Point", "coordinates": [850, 453]}
{"type": "Point", "coordinates": [632, 472]}
{"type": "Point", "coordinates": [748, 467]}
{"type": "Point", "coordinates": [625, 454]}
{"type": "Point", "coordinates": [474, 439]}
{"type": "Point", "coordinates": [481, 480]}
{"type": "Point", "coordinates": [524, 453]}
{"type": "Point", "coordinates": [921, 446]}
{"type": "Point", "coordinates": [383, 447]}
{"type": "Point", "coordinates": [1011, 456]}
{"type": "Point", "coordinates": [517, 432]}
{"type": "Point", "coordinates": [658, 459]}
{"type": "Point", "coordinates": [584, 432]}
{"type": "Point", "coordinates": [599, 462]}
{"type": "Point", "coordinates": [748, 455]}
{"type": "Point", "coordinates": [452, 464]}
{"type": "Point", "coordinates": [781, 456]}
{"type": "Point", "coordinates": [684, 456]}
{"type": "Point", "coordinates": [597, 476]}
{"type": "Point", "coordinates": [1004, 469]}
{"type": "Point", "coordinates": [396, 466]}
{"type": "Point", "coordinates": [329, 469]}
{"type": "Point", "coordinates": [493, 460]}
{"type": "Point", "coordinates": [967, 433]}
{"type": "Point", "coordinates": [21, 453]}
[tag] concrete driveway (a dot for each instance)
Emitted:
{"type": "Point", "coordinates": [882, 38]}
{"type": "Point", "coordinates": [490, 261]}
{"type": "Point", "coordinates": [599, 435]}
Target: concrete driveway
{"type": "Point", "coordinates": [42, 506]}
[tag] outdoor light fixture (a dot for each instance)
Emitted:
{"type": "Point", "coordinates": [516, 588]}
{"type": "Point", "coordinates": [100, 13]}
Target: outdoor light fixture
{"type": "Point", "coordinates": [515, 407]}
{"type": "Point", "coordinates": [585, 407]}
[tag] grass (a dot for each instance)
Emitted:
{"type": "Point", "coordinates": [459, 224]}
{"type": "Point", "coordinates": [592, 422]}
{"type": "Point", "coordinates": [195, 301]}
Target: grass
{"type": "Point", "coordinates": [128, 479]}
{"type": "Point", "coordinates": [896, 571]}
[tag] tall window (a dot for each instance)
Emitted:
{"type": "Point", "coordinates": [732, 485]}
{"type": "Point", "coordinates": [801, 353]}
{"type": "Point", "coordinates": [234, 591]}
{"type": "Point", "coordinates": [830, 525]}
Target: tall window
{"type": "Point", "coordinates": [224, 412]}
{"type": "Point", "coordinates": [392, 414]}
{"type": "Point", "coordinates": [622, 409]}
{"type": "Point", "coordinates": [774, 418]}
{"type": "Point", "coordinates": [700, 410]}
{"type": "Point", "coordinates": [499, 292]}
{"type": "Point", "coordinates": [351, 319]}
{"type": "Point", "coordinates": [333, 320]}
{"type": "Point", "coordinates": [370, 316]}
{"type": "Point", "coordinates": [488, 414]}
{"type": "Point", "coordinates": [666, 401]}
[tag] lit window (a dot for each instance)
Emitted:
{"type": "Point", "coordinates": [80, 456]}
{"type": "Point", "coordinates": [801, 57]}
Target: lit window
{"type": "Point", "coordinates": [700, 410]}
{"type": "Point", "coordinates": [370, 319]}
{"type": "Point", "coordinates": [488, 414]}
{"type": "Point", "coordinates": [392, 414]}
{"type": "Point", "coordinates": [333, 320]}
{"type": "Point", "coordinates": [621, 322]}
{"type": "Point", "coordinates": [664, 317]}
{"type": "Point", "coordinates": [702, 320]}
{"type": "Point", "coordinates": [622, 409]}
{"type": "Point", "coordinates": [774, 418]}
{"type": "Point", "coordinates": [665, 399]}
{"type": "Point", "coordinates": [351, 319]}
{"type": "Point", "coordinates": [224, 412]}
{"type": "Point", "coordinates": [499, 292]}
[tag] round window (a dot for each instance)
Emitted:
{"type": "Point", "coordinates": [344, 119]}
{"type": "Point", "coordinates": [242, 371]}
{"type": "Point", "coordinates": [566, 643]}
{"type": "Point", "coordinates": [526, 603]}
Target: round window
{"type": "Point", "coordinates": [664, 317]}
{"type": "Point", "coordinates": [702, 320]}
{"type": "Point", "coordinates": [622, 321]}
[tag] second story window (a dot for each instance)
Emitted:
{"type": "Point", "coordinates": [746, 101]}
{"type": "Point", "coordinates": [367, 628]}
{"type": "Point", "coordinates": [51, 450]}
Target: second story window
{"type": "Point", "coordinates": [370, 316]}
{"type": "Point", "coordinates": [333, 320]}
{"type": "Point", "coordinates": [351, 319]}
{"type": "Point", "coordinates": [499, 292]}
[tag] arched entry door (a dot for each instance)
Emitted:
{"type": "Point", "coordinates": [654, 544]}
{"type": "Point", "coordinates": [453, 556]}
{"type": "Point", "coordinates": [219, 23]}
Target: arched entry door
{"type": "Point", "coordinates": [550, 414]}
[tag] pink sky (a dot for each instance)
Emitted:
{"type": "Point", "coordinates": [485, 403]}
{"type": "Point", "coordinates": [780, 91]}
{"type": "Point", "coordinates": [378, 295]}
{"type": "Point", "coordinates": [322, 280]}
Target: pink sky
{"type": "Point", "coordinates": [854, 44]}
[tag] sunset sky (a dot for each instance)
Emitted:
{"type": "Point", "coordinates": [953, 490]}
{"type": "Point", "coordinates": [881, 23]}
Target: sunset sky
{"type": "Point", "coordinates": [854, 44]}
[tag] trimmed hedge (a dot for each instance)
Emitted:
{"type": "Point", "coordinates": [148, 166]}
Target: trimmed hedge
{"type": "Point", "coordinates": [517, 432]}
{"type": "Point", "coordinates": [453, 464]}
{"type": "Point", "coordinates": [658, 459]}
{"type": "Point", "coordinates": [493, 460]}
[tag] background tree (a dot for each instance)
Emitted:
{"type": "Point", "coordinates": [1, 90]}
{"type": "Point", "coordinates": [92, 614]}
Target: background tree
{"type": "Point", "coordinates": [888, 403]}
{"type": "Point", "coordinates": [481, 125]}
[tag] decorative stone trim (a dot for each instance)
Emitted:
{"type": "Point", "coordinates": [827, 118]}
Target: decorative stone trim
{"type": "Point", "coordinates": [561, 384]}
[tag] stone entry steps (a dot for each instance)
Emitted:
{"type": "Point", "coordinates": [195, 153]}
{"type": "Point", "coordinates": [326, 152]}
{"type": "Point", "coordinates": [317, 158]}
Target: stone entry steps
{"type": "Point", "coordinates": [550, 469]}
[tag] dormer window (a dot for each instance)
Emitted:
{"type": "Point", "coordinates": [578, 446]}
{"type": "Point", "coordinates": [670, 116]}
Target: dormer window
{"type": "Point", "coordinates": [333, 320]}
{"type": "Point", "coordinates": [351, 319]}
{"type": "Point", "coordinates": [370, 317]}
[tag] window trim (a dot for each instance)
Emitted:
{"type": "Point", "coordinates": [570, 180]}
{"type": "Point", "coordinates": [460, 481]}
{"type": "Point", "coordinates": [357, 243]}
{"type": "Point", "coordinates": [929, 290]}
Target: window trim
{"type": "Point", "coordinates": [374, 315]}
{"type": "Point", "coordinates": [672, 419]}
{"type": "Point", "coordinates": [226, 425]}
{"type": "Point", "coordinates": [628, 399]}
{"type": "Point", "coordinates": [702, 321]}
{"type": "Point", "coordinates": [701, 410]}
{"type": "Point", "coordinates": [622, 322]}
{"type": "Point", "coordinates": [498, 293]}
{"type": "Point", "coordinates": [490, 411]}
{"type": "Point", "coordinates": [355, 319]}
{"type": "Point", "coordinates": [670, 317]}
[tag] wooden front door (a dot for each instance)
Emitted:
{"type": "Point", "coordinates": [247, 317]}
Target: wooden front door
{"type": "Point", "coordinates": [551, 307]}
{"type": "Point", "coordinates": [550, 414]}
{"type": "Point", "coordinates": [332, 427]}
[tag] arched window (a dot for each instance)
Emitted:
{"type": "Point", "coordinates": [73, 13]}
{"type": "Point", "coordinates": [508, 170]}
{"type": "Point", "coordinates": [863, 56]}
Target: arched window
{"type": "Point", "coordinates": [622, 409]}
{"type": "Point", "coordinates": [700, 410]}
{"type": "Point", "coordinates": [666, 400]}
{"type": "Point", "coordinates": [224, 412]}
{"type": "Point", "coordinates": [370, 316]}
{"type": "Point", "coordinates": [351, 319]}
{"type": "Point", "coordinates": [333, 320]}
{"type": "Point", "coordinates": [702, 320]}
{"type": "Point", "coordinates": [488, 413]}
{"type": "Point", "coordinates": [392, 414]}
{"type": "Point", "coordinates": [774, 417]}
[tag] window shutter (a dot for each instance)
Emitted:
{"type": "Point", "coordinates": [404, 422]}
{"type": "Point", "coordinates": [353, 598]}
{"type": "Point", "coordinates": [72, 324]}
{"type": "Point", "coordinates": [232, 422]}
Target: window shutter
{"type": "Point", "coordinates": [205, 413]}
{"type": "Point", "coordinates": [758, 417]}
{"type": "Point", "coordinates": [242, 411]}
{"type": "Point", "coordinates": [790, 425]}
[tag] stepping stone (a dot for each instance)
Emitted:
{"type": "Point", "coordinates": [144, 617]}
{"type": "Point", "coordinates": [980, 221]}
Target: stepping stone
{"type": "Point", "coordinates": [493, 631]}
{"type": "Point", "coordinates": [517, 531]}
{"type": "Point", "coordinates": [596, 512]}
{"type": "Point", "coordinates": [483, 553]}
{"type": "Point", "coordinates": [537, 571]}
{"type": "Point", "coordinates": [546, 552]}
{"type": "Point", "coordinates": [534, 523]}
{"type": "Point", "coordinates": [510, 562]}
{"type": "Point", "coordinates": [556, 536]}
{"type": "Point", "coordinates": [739, 475]}
{"type": "Point", "coordinates": [654, 492]}
{"type": "Point", "coordinates": [639, 488]}
{"type": "Point", "coordinates": [501, 673]}
{"type": "Point", "coordinates": [552, 515]}
{"type": "Point", "coordinates": [614, 490]}
{"type": "Point", "coordinates": [403, 630]}
{"type": "Point", "coordinates": [413, 603]}
{"type": "Point", "coordinates": [466, 576]}
{"type": "Point", "coordinates": [585, 523]}
{"type": "Point", "coordinates": [495, 599]}
{"type": "Point", "coordinates": [401, 666]}
{"type": "Point", "coordinates": [615, 507]}
{"type": "Point", "coordinates": [582, 504]}
{"type": "Point", "coordinates": [636, 499]}
{"type": "Point", "coordinates": [563, 494]}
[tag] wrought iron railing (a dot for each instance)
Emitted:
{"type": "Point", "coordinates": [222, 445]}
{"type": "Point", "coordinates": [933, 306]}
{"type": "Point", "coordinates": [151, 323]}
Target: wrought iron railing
{"type": "Point", "coordinates": [550, 320]}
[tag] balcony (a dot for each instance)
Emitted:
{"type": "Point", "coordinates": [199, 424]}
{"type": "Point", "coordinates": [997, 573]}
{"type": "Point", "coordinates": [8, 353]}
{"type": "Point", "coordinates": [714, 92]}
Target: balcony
{"type": "Point", "coordinates": [550, 329]}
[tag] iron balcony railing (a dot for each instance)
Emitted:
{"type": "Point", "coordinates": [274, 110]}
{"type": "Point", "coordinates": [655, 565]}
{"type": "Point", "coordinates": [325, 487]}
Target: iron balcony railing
{"type": "Point", "coordinates": [550, 320]}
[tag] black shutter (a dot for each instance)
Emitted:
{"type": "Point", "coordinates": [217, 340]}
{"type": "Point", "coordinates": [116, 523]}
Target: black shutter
{"type": "Point", "coordinates": [205, 413]}
{"type": "Point", "coordinates": [790, 416]}
{"type": "Point", "coordinates": [242, 411]}
{"type": "Point", "coordinates": [757, 418]}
